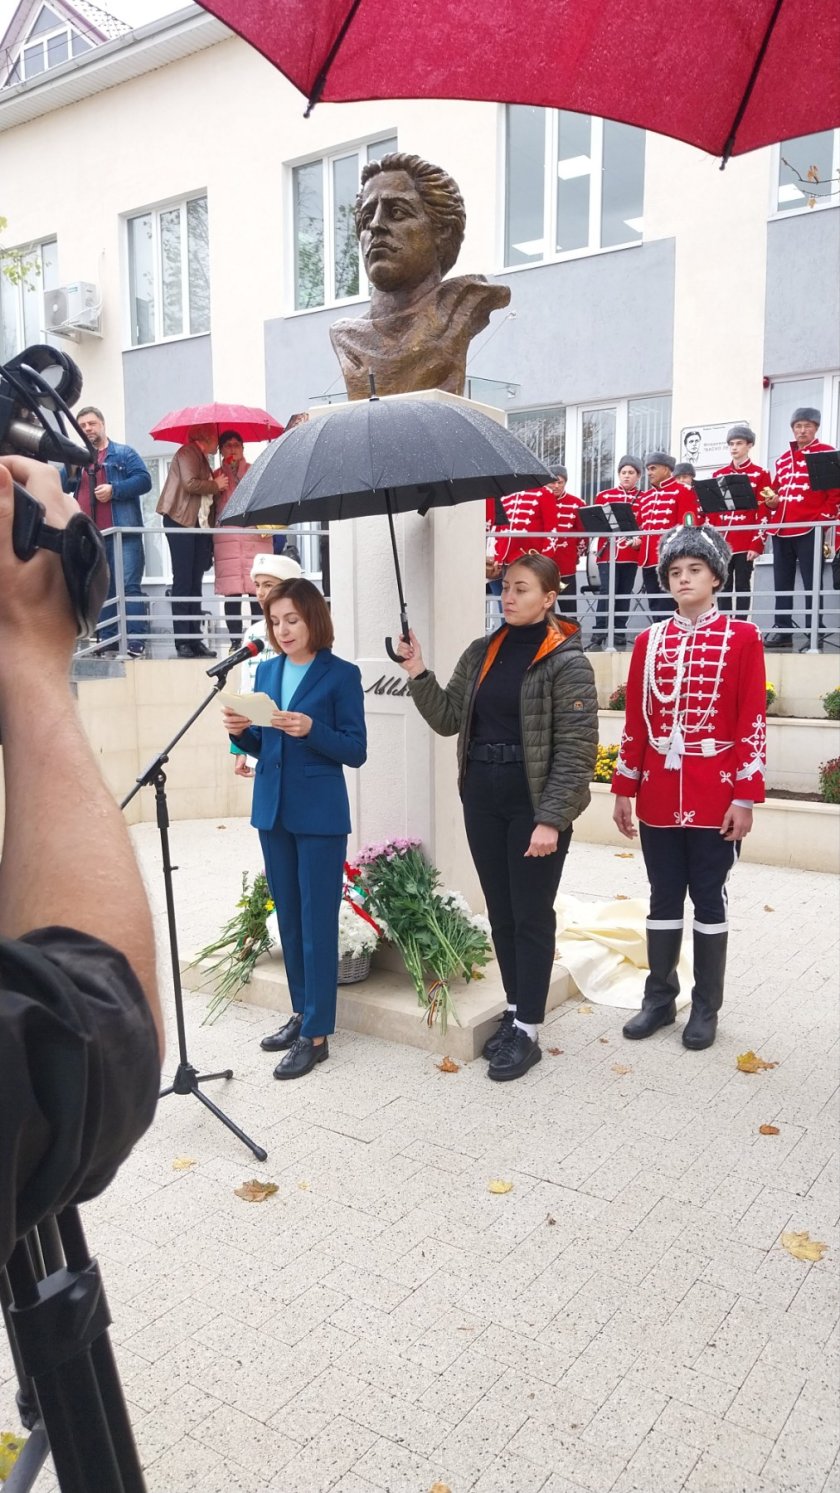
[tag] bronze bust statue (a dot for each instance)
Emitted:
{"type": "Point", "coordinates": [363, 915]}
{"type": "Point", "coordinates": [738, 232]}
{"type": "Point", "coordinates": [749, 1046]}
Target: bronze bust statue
{"type": "Point", "coordinates": [410, 221]}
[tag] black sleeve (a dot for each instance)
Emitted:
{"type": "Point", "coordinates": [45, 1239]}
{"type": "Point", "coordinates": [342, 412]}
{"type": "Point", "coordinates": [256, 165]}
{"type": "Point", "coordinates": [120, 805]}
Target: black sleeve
{"type": "Point", "coordinates": [79, 1073]}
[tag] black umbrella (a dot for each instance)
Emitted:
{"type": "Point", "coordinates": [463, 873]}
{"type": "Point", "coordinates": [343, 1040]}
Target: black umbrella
{"type": "Point", "coordinates": [391, 455]}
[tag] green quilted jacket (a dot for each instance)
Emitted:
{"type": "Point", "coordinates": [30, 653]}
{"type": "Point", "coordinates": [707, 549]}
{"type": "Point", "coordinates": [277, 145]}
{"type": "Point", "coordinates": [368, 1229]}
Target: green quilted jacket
{"type": "Point", "coordinates": [558, 714]}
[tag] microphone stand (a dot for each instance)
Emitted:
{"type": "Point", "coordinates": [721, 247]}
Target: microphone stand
{"type": "Point", "coordinates": [186, 1078]}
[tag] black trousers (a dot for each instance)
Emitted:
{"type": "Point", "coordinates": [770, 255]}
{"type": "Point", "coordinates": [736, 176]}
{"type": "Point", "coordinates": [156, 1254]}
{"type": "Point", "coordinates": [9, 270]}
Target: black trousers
{"type": "Point", "coordinates": [659, 602]}
{"type": "Point", "coordinates": [625, 579]}
{"type": "Point", "coordinates": [567, 600]}
{"type": "Point", "coordinates": [788, 553]}
{"type": "Point", "coordinates": [233, 615]}
{"type": "Point", "coordinates": [687, 862]}
{"type": "Point", "coordinates": [735, 596]}
{"type": "Point", "coordinates": [519, 892]}
{"type": "Point", "coordinates": [189, 556]}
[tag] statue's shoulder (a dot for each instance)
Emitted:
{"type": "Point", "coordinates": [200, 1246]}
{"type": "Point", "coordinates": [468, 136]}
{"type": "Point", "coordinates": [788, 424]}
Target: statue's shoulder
{"type": "Point", "coordinates": [473, 291]}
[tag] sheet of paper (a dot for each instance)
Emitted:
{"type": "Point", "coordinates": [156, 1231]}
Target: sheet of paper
{"type": "Point", "coordinates": [258, 707]}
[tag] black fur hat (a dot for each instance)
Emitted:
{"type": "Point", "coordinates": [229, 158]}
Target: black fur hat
{"type": "Point", "coordinates": [694, 542]}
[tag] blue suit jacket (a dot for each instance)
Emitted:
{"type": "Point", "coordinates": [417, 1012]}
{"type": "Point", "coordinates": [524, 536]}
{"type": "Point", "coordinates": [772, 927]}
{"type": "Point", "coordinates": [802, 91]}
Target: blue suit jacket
{"type": "Point", "coordinates": [307, 770]}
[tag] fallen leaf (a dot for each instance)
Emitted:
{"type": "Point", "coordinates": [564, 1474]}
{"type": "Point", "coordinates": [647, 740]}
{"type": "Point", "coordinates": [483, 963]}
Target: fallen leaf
{"type": "Point", "coordinates": [440, 1488]}
{"type": "Point", "coordinates": [554, 1052]}
{"type": "Point", "coordinates": [767, 908]}
{"type": "Point", "coordinates": [623, 855]}
{"type": "Point", "coordinates": [10, 1449]}
{"type": "Point", "coordinates": [768, 1130]}
{"type": "Point", "coordinates": [255, 1191]}
{"type": "Point", "coordinates": [749, 1062]}
{"type": "Point", "coordinates": [183, 1163]}
{"type": "Point", "coordinates": [500, 1187]}
{"type": "Point", "coordinates": [551, 1220]}
{"type": "Point", "coordinates": [221, 826]}
{"type": "Point", "coordinates": [620, 897]}
{"type": "Point", "coordinates": [584, 1010]}
{"type": "Point", "coordinates": [605, 1041]}
{"type": "Point", "coordinates": [621, 1069]}
{"type": "Point", "coordinates": [803, 1247]}
{"type": "Point", "coordinates": [304, 1186]}
{"type": "Point", "coordinates": [447, 1066]}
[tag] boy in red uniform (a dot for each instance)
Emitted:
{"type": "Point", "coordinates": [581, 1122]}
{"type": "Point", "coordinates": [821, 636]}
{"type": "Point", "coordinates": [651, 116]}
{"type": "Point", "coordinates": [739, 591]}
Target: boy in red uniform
{"type": "Point", "coordinates": [692, 754]}
{"type": "Point", "coordinates": [563, 512]}
{"type": "Point", "coordinates": [801, 505]}
{"type": "Point", "coordinates": [626, 567]}
{"type": "Point", "coordinates": [742, 529]}
{"type": "Point", "coordinates": [665, 503]}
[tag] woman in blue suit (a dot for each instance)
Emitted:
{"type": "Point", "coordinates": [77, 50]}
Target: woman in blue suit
{"type": "Point", "coordinates": [301, 808]}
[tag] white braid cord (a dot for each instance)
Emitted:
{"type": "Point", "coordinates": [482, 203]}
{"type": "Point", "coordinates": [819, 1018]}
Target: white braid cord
{"type": "Point", "coordinates": [675, 744]}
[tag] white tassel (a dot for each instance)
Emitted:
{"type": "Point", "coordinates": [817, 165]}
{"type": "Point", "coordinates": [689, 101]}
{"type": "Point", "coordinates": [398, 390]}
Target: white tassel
{"type": "Point", "coordinates": [676, 747]}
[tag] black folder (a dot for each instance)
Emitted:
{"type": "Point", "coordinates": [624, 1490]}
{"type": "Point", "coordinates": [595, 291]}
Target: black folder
{"type": "Point", "coordinates": [823, 469]}
{"type": "Point", "coordinates": [609, 518]}
{"type": "Point", "coordinates": [726, 494]}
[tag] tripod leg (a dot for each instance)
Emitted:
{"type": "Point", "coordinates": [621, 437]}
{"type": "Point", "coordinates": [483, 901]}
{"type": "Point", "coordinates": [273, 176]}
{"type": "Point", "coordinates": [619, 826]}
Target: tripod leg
{"type": "Point", "coordinates": [258, 1151]}
{"type": "Point", "coordinates": [207, 1077]}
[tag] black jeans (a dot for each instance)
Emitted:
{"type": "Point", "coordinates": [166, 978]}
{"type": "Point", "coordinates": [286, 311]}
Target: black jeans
{"type": "Point", "coordinates": [189, 556]}
{"type": "Point", "coordinates": [693, 862]}
{"type": "Point", "coordinates": [519, 892]}
{"type": "Point", "coordinates": [625, 579]}
{"type": "Point", "coordinates": [567, 600]}
{"type": "Point", "coordinates": [735, 596]}
{"type": "Point", "coordinates": [660, 603]}
{"type": "Point", "coordinates": [788, 552]}
{"type": "Point", "coordinates": [233, 615]}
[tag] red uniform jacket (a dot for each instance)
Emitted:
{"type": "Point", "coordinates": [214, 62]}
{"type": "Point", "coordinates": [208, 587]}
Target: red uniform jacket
{"type": "Point", "coordinates": [565, 519]}
{"type": "Point", "coordinates": [661, 508]}
{"type": "Point", "coordinates": [744, 531]}
{"type": "Point", "coordinates": [799, 503]}
{"type": "Point", "coordinates": [624, 552]}
{"type": "Point", "coordinates": [533, 511]}
{"type": "Point", "coordinates": [696, 696]}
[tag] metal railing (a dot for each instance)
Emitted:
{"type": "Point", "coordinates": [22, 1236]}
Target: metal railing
{"type": "Point", "coordinates": [819, 606]}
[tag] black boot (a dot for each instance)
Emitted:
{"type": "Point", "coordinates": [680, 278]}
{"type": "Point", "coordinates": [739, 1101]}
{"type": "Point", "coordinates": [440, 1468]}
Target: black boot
{"type": "Point", "coordinates": [707, 994]}
{"type": "Point", "coordinates": [662, 985]}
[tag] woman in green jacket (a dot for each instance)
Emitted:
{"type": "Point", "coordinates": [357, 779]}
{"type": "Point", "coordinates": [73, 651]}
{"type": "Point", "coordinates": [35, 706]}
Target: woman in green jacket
{"type": "Point", "coordinates": [524, 708]}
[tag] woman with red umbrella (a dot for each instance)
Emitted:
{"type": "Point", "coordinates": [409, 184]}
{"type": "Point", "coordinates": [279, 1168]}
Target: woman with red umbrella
{"type": "Point", "coordinates": [188, 496]}
{"type": "Point", "coordinates": [234, 554]}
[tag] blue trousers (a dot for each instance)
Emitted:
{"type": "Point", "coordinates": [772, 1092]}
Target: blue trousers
{"type": "Point", "coordinates": [305, 874]}
{"type": "Point", "coordinates": [133, 556]}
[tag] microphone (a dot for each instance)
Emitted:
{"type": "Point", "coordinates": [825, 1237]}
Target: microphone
{"type": "Point", "coordinates": [250, 650]}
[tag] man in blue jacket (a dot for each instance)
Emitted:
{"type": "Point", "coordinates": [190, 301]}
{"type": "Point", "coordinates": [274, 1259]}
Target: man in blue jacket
{"type": "Point", "coordinates": [110, 491]}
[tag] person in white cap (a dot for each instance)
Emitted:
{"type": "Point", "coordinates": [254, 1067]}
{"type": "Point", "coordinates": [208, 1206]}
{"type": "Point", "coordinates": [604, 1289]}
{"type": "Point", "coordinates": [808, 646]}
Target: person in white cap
{"type": "Point", "coordinates": [266, 571]}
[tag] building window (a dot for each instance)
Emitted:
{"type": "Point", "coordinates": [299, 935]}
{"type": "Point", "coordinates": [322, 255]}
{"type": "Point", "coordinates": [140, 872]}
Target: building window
{"type": "Point", "coordinates": [590, 439]}
{"type": "Point", "coordinates": [169, 272]}
{"type": "Point", "coordinates": [24, 276]}
{"type": "Point", "coordinates": [821, 391]}
{"type": "Point", "coordinates": [574, 184]}
{"type": "Point", "coordinates": [808, 172]}
{"type": "Point", "coordinates": [328, 265]}
{"type": "Point", "coordinates": [50, 42]}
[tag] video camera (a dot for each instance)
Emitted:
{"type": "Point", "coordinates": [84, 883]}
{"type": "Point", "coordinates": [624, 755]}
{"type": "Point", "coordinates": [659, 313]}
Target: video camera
{"type": "Point", "coordinates": [37, 389]}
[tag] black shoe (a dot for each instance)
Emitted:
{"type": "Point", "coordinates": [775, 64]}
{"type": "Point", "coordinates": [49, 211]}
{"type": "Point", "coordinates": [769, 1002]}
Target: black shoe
{"type": "Point", "coordinates": [301, 1058]}
{"type": "Point", "coordinates": [200, 650]}
{"type": "Point", "coordinates": [700, 1029]}
{"type": "Point", "coordinates": [649, 1020]}
{"type": "Point", "coordinates": [596, 643]}
{"type": "Point", "coordinates": [286, 1037]}
{"type": "Point", "coordinates": [501, 1034]}
{"type": "Point", "coordinates": [137, 651]}
{"type": "Point", "coordinates": [514, 1056]}
{"type": "Point", "coordinates": [184, 650]}
{"type": "Point", "coordinates": [779, 640]}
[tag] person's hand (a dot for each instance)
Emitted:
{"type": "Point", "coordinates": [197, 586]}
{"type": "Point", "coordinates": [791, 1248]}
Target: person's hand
{"type": "Point", "coordinates": [35, 609]}
{"type": "Point", "coordinates": [103, 493]}
{"type": "Point", "coordinates": [293, 722]}
{"type": "Point", "coordinates": [234, 724]}
{"type": "Point", "coordinates": [623, 817]}
{"type": "Point", "coordinates": [543, 841]}
{"type": "Point", "coordinates": [241, 768]}
{"type": "Point", "coordinates": [492, 570]}
{"type": "Point", "coordinates": [221, 483]}
{"type": "Point", "coordinates": [752, 555]}
{"type": "Point", "coordinates": [410, 655]}
{"type": "Point", "coordinates": [737, 822]}
{"type": "Point", "coordinates": [635, 543]}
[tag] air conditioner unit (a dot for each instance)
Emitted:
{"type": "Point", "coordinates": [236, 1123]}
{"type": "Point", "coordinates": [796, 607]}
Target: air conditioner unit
{"type": "Point", "coordinates": [73, 308]}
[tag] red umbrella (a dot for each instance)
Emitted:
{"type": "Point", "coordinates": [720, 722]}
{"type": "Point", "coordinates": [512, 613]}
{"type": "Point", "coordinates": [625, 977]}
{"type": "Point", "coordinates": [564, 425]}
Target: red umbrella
{"type": "Point", "coordinates": [727, 76]}
{"type": "Point", "coordinates": [251, 424]}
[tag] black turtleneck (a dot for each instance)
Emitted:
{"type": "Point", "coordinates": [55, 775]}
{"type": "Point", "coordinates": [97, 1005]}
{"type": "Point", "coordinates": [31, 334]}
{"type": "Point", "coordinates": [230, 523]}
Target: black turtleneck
{"type": "Point", "coordinates": [496, 708]}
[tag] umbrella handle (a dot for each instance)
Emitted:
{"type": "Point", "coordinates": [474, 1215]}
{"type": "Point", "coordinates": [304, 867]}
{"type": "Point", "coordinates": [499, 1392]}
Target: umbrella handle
{"type": "Point", "coordinates": [405, 636]}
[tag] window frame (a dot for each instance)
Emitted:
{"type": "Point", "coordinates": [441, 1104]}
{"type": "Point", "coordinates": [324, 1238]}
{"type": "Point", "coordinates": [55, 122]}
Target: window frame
{"type": "Point", "coordinates": [573, 439]}
{"type": "Point", "coordinates": [596, 176]}
{"type": "Point", "coordinates": [777, 214]}
{"type": "Point", "coordinates": [327, 159]}
{"type": "Point", "coordinates": [19, 290]}
{"type": "Point", "coordinates": [19, 71]}
{"type": "Point", "coordinates": [156, 209]}
{"type": "Point", "coordinates": [829, 430]}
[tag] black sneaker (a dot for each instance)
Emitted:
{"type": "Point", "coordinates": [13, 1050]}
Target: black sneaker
{"type": "Point", "coordinates": [515, 1056]}
{"type": "Point", "coordinates": [502, 1032]}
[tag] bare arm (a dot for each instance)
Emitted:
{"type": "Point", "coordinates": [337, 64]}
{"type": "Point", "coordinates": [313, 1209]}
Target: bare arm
{"type": "Point", "coordinates": [67, 858]}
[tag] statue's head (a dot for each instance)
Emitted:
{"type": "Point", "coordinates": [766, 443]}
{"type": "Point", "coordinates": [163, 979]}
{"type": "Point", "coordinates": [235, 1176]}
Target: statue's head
{"type": "Point", "coordinates": [410, 219]}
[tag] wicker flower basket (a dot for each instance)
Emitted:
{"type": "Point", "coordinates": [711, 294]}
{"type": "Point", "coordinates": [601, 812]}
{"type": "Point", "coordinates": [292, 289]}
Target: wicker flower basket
{"type": "Point", "coordinates": [352, 968]}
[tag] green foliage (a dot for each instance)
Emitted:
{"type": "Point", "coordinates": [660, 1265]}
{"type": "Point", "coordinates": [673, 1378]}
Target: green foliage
{"type": "Point", "coordinates": [618, 698]}
{"type": "Point", "coordinates": [605, 764]}
{"type": "Point", "coordinates": [830, 781]}
{"type": "Point", "coordinates": [242, 941]}
{"type": "Point", "coordinates": [831, 704]}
